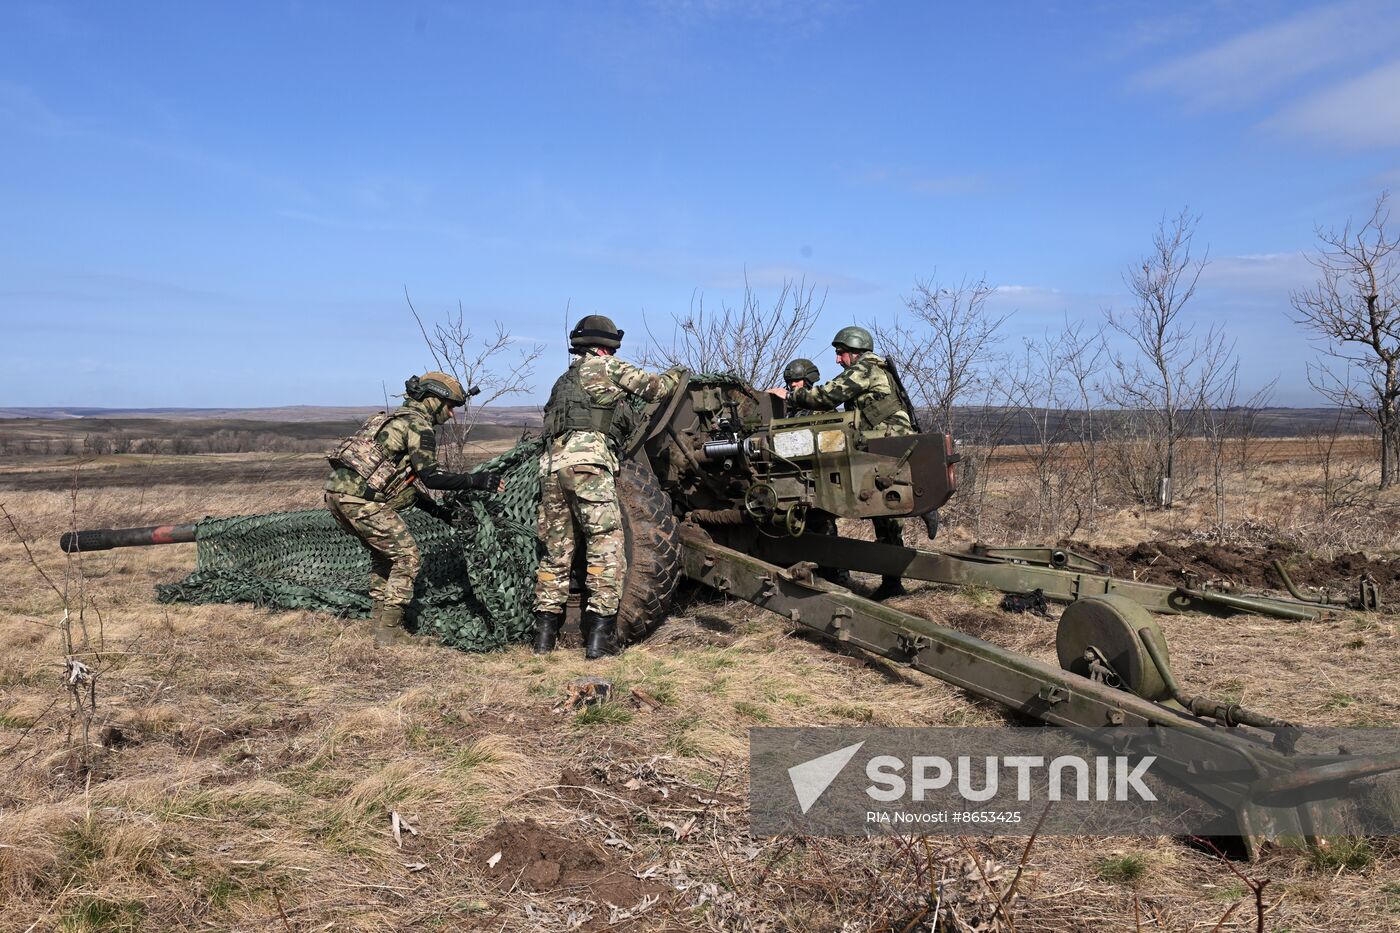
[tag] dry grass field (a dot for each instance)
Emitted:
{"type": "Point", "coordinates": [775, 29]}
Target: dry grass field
{"type": "Point", "coordinates": [256, 770]}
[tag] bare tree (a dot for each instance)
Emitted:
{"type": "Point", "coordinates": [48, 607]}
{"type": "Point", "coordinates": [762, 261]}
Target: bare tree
{"type": "Point", "coordinates": [1039, 387]}
{"type": "Point", "coordinates": [1353, 309]}
{"type": "Point", "coordinates": [1165, 374]}
{"type": "Point", "coordinates": [496, 363]}
{"type": "Point", "coordinates": [1222, 421]}
{"type": "Point", "coordinates": [1084, 356]}
{"type": "Point", "coordinates": [948, 360]}
{"type": "Point", "coordinates": [753, 341]}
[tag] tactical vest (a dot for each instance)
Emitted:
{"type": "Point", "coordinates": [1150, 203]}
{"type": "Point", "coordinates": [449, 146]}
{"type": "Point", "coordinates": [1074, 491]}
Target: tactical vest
{"type": "Point", "coordinates": [874, 414]}
{"type": "Point", "coordinates": [571, 408]}
{"type": "Point", "coordinates": [363, 455]}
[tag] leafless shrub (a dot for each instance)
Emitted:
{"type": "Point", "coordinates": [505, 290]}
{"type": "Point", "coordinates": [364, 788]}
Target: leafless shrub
{"type": "Point", "coordinates": [754, 340]}
{"type": "Point", "coordinates": [1166, 374]}
{"type": "Point", "coordinates": [1052, 386]}
{"type": "Point", "coordinates": [1222, 423]}
{"type": "Point", "coordinates": [1354, 309]}
{"type": "Point", "coordinates": [497, 363]}
{"type": "Point", "coordinates": [948, 353]}
{"type": "Point", "coordinates": [949, 359]}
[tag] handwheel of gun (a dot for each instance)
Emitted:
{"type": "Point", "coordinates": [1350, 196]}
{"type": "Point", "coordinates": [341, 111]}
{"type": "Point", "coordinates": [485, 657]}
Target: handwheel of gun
{"type": "Point", "coordinates": [653, 551]}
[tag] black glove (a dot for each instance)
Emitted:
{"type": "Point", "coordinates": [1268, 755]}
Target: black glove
{"type": "Point", "coordinates": [435, 508]}
{"type": "Point", "coordinates": [487, 480]}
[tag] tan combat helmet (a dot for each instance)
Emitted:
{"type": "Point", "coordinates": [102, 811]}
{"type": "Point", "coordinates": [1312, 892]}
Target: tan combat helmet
{"type": "Point", "coordinates": [440, 386]}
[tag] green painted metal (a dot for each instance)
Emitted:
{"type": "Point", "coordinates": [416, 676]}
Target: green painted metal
{"type": "Point", "coordinates": [1035, 689]}
{"type": "Point", "coordinates": [1012, 576]}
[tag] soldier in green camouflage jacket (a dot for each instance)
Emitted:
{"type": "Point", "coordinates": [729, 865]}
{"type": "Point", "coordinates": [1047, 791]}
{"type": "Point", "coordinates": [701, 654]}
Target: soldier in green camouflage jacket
{"type": "Point", "coordinates": [380, 471]}
{"type": "Point", "coordinates": [866, 386]}
{"type": "Point", "coordinates": [585, 422]}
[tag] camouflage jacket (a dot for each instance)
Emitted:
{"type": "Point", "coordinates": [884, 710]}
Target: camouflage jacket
{"type": "Point", "coordinates": [606, 379]}
{"type": "Point", "coordinates": [866, 387]}
{"type": "Point", "coordinates": [409, 440]}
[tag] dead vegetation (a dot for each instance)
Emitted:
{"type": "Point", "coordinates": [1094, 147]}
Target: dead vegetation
{"type": "Point", "coordinates": [245, 769]}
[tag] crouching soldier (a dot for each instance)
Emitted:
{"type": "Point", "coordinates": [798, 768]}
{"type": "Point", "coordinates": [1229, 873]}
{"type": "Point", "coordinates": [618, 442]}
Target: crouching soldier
{"type": "Point", "coordinates": [586, 421]}
{"type": "Point", "coordinates": [380, 471]}
{"type": "Point", "coordinates": [866, 386]}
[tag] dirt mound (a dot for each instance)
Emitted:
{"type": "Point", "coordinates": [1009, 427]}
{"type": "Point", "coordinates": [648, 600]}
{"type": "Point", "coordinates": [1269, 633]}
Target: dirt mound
{"type": "Point", "coordinates": [539, 859]}
{"type": "Point", "coordinates": [1242, 566]}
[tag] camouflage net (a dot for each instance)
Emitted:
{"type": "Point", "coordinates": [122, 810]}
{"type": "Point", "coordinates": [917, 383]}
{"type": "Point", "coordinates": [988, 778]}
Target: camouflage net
{"type": "Point", "coordinates": [476, 590]}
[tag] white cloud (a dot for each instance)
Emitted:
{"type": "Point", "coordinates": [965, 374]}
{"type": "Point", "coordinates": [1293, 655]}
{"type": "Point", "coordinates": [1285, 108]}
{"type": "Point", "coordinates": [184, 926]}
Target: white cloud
{"type": "Point", "coordinates": [1268, 273]}
{"type": "Point", "coordinates": [1361, 113]}
{"type": "Point", "coordinates": [1254, 64]}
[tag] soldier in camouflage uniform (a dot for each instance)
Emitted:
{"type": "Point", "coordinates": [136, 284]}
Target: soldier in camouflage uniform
{"type": "Point", "coordinates": [585, 422]}
{"type": "Point", "coordinates": [866, 386]}
{"type": "Point", "coordinates": [380, 471]}
{"type": "Point", "coordinates": [799, 374]}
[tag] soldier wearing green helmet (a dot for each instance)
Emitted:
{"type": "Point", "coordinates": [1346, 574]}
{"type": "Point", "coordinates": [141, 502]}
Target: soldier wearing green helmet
{"type": "Point", "coordinates": [800, 374]}
{"type": "Point", "coordinates": [868, 386]}
{"type": "Point", "coordinates": [386, 467]}
{"type": "Point", "coordinates": [586, 421]}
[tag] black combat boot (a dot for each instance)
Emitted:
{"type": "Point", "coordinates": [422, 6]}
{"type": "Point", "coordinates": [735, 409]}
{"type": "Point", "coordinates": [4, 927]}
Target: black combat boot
{"type": "Point", "coordinates": [547, 625]}
{"type": "Point", "coordinates": [602, 635]}
{"type": "Point", "coordinates": [889, 586]}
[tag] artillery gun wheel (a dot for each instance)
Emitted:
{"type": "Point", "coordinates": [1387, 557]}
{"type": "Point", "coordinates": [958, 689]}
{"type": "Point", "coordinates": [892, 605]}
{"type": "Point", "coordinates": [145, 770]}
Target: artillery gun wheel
{"type": "Point", "coordinates": [1109, 625]}
{"type": "Point", "coordinates": [653, 551]}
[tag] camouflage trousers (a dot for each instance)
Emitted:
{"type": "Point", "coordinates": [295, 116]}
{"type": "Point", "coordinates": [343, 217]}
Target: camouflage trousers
{"type": "Point", "coordinates": [580, 502]}
{"type": "Point", "coordinates": [394, 557]}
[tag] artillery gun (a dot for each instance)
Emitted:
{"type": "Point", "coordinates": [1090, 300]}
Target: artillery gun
{"type": "Point", "coordinates": [717, 486]}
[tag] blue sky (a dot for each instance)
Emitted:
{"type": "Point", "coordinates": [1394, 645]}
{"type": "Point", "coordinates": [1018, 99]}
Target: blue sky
{"type": "Point", "coordinates": [220, 204]}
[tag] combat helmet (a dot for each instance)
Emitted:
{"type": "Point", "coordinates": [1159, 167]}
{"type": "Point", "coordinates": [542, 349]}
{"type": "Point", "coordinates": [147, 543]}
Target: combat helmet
{"type": "Point", "coordinates": [595, 330]}
{"type": "Point", "coordinates": [853, 338]}
{"type": "Point", "coordinates": [437, 384]}
{"type": "Point", "coordinates": [801, 369]}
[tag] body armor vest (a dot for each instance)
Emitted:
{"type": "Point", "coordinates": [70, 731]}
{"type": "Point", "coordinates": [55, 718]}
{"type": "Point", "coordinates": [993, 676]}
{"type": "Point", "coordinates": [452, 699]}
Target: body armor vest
{"type": "Point", "coordinates": [363, 455]}
{"type": "Point", "coordinates": [571, 408]}
{"type": "Point", "coordinates": [874, 414]}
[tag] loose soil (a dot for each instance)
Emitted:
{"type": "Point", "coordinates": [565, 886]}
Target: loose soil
{"type": "Point", "coordinates": [544, 860]}
{"type": "Point", "coordinates": [1238, 565]}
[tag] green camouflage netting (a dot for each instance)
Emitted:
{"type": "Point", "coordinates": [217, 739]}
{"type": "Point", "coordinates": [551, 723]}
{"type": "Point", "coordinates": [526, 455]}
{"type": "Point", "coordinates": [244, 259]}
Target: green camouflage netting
{"type": "Point", "coordinates": [475, 591]}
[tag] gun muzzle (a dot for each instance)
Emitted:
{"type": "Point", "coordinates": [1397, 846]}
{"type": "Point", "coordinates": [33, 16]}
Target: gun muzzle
{"type": "Point", "coordinates": [102, 539]}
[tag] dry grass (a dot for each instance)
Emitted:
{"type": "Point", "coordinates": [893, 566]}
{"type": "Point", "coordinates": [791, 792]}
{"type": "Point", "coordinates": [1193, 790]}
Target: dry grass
{"type": "Point", "coordinates": [250, 762]}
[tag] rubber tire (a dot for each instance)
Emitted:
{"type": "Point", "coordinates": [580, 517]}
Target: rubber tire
{"type": "Point", "coordinates": [653, 551]}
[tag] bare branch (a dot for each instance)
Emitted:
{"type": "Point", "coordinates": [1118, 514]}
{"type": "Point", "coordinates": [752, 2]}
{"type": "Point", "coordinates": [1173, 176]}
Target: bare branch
{"type": "Point", "coordinates": [754, 341]}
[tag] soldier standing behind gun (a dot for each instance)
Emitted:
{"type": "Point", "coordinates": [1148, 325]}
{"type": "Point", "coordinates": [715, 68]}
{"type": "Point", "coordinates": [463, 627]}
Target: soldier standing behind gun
{"type": "Point", "coordinates": [866, 386]}
{"type": "Point", "coordinates": [376, 473]}
{"type": "Point", "coordinates": [799, 374]}
{"type": "Point", "coordinates": [586, 421]}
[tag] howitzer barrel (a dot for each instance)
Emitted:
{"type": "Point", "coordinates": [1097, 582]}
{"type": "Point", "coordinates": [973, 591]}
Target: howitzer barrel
{"type": "Point", "coordinates": [101, 539]}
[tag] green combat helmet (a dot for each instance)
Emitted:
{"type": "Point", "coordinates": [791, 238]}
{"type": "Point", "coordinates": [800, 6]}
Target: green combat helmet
{"type": "Point", "coordinates": [853, 338]}
{"type": "Point", "coordinates": [801, 369]}
{"type": "Point", "coordinates": [595, 331]}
